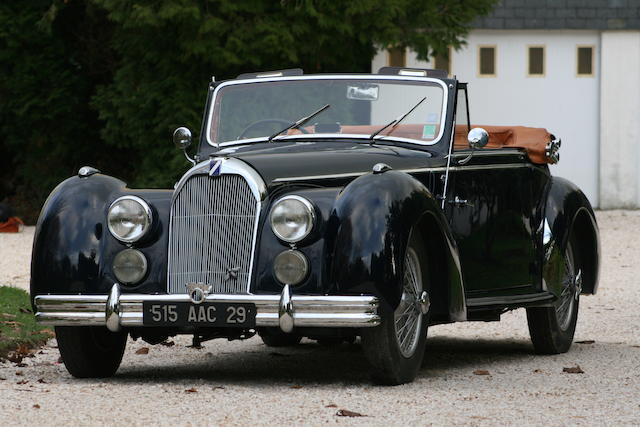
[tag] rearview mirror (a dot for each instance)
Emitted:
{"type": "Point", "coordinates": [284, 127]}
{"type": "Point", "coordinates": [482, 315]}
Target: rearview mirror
{"type": "Point", "coordinates": [477, 138]}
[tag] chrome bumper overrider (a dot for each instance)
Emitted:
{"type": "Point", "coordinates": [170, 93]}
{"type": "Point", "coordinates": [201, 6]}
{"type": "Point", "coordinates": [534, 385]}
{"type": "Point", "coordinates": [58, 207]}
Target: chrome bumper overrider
{"type": "Point", "coordinates": [286, 311]}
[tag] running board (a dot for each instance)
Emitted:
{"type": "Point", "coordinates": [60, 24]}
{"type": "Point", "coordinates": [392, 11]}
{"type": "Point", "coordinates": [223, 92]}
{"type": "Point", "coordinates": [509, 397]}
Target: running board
{"type": "Point", "coordinates": [541, 299]}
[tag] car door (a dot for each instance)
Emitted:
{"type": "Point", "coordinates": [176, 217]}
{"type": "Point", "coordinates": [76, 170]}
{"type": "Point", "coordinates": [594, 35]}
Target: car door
{"type": "Point", "coordinates": [491, 214]}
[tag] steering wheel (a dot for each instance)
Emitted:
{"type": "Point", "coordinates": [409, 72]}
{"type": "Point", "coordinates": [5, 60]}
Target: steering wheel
{"type": "Point", "coordinates": [263, 121]}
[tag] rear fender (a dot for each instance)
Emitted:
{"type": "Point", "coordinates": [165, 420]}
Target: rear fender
{"type": "Point", "coordinates": [568, 213]}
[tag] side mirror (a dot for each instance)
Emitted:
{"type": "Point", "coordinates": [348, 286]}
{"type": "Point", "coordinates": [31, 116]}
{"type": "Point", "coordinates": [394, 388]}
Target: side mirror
{"type": "Point", "coordinates": [477, 138]}
{"type": "Point", "coordinates": [182, 138]}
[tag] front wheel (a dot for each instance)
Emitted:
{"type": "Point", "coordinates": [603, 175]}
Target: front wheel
{"type": "Point", "coordinates": [90, 352]}
{"type": "Point", "coordinates": [552, 328]}
{"type": "Point", "coordinates": [395, 348]}
{"type": "Point", "coordinates": [274, 337]}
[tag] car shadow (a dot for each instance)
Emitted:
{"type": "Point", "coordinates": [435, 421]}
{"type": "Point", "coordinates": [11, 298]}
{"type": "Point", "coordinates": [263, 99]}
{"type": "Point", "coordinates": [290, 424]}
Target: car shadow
{"type": "Point", "coordinates": [309, 363]}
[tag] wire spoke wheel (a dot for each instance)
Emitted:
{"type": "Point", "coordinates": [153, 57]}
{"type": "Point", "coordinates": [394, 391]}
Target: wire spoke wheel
{"type": "Point", "coordinates": [552, 327]}
{"type": "Point", "coordinates": [408, 315]}
{"type": "Point", "coordinates": [395, 348]}
{"type": "Point", "coordinates": [571, 288]}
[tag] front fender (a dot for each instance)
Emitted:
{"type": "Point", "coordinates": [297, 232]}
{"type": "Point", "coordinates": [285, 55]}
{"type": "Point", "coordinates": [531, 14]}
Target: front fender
{"type": "Point", "coordinates": [376, 213]}
{"type": "Point", "coordinates": [568, 211]}
{"type": "Point", "coordinates": [73, 249]}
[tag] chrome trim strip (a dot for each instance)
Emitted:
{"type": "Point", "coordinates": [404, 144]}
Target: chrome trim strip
{"type": "Point", "coordinates": [443, 114]}
{"type": "Point", "coordinates": [305, 310]}
{"type": "Point", "coordinates": [415, 170]}
{"type": "Point", "coordinates": [314, 177]}
{"type": "Point", "coordinates": [489, 152]}
{"type": "Point", "coordinates": [485, 167]}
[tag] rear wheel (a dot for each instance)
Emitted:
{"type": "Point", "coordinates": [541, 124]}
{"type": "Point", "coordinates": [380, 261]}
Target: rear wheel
{"type": "Point", "coordinates": [273, 337]}
{"type": "Point", "coordinates": [395, 348]}
{"type": "Point", "coordinates": [552, 328]}
{"type": "Point", "coordinates": [90, 352]}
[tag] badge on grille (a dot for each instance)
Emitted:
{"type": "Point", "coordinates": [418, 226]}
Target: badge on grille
{"type": "Point", "coordinates": [214, 167]}
{"type": "Point", "coordinates": [198, 291]}
{"type": "Point", "coordinates": [232, 273]}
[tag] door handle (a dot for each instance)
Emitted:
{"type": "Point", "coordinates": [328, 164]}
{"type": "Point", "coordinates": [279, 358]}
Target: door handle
{"type": "Point", "coordinates": [458, 202]}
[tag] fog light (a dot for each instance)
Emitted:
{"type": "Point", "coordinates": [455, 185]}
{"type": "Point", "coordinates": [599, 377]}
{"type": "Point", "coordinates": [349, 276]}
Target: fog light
{"type": "Point", "coordinates": [290, 267]}
{"type": "Point", "coordinates": [130, 266]}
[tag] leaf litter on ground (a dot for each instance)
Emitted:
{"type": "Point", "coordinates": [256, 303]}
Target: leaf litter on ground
{"type": "Point", "coordinates": [573, 370]}
{"type": "Point", "coordinates": [348, 413]}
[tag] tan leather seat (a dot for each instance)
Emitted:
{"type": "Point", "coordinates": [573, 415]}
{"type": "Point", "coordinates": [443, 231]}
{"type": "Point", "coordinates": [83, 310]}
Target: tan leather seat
{"type": "Point", "coordinates": [533, 140]}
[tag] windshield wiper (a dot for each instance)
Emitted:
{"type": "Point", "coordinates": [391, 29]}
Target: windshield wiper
{"type": "Point", "coordinates": [299, 122]}
{"type": "Point", "coordinates": [395, 122]}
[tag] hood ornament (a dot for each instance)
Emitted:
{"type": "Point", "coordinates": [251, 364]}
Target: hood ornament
{"type": "Point", "coordinates": [198, 291]}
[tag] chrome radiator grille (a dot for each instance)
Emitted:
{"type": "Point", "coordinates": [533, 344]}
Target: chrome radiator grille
{"type": "Point", "coordinates": [212, 234]}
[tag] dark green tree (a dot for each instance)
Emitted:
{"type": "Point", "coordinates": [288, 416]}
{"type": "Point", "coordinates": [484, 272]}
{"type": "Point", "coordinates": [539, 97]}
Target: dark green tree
{"type": "Point", "coordinates": [106, 81]}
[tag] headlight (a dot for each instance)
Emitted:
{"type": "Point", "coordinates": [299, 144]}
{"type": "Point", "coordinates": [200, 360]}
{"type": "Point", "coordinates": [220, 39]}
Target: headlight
{"type": "Point", "coordinates": [129, 218]}
{"type": "Point", "coordinates": [290, 267]}
{"type": "Point", "coordinates": [292, 218]}
{"type": "Point", "coordinates": [130, 266]}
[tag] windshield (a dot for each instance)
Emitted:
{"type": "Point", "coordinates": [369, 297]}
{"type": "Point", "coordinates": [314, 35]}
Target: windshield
{"type": "Point", "coordinates": [359, 107]}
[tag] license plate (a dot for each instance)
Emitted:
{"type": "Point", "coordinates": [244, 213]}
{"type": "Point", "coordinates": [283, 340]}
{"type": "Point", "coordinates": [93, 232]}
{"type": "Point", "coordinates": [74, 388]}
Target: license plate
{"type": "Point", "coordinates": [210, 314]}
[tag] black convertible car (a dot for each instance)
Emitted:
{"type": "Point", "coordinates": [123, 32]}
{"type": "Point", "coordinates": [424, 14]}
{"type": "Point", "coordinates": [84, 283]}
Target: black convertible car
{"type": "Point", "coordinates": [323, 206]}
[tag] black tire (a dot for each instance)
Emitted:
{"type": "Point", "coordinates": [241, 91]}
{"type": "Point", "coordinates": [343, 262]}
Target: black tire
{"type": "Point", "coordinates": [90, 352]}
{"type": "Point", "coordinates": [273, 337]}
{"type": "Point", "coordinates": [552, 328]}
{"type": "Point", "coordinates": [391, 365]}
{"type": "Point", "coordinates": [330, 341]}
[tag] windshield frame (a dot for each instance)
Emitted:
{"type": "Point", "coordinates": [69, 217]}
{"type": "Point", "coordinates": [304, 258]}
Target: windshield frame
{"type": "Point", "coordinates": [364, 137]}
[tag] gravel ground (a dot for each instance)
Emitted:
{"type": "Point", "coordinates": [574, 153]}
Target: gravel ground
{"type": "Point", "coordinates": [232, 383]}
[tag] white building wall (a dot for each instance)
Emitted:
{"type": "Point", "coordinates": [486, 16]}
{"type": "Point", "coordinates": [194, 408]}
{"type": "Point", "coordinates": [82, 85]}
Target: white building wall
{"type": "Point", "coordinates": [565, 104]}
{"type": "Point", "coordinates": [620, 118]}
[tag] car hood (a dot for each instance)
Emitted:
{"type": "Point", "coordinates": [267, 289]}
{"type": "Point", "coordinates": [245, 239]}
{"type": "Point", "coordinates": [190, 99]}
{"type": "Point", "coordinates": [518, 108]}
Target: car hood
{"type": "Point", "coordinates": [281, 161]}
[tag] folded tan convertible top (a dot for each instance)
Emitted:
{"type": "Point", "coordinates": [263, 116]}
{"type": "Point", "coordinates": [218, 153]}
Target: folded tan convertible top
{"type": "Point", "coordinates": [533, 140]}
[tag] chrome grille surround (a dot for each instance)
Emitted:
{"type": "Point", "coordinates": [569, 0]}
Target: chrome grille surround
{"type": "Point", "coordinates": [213, 227]}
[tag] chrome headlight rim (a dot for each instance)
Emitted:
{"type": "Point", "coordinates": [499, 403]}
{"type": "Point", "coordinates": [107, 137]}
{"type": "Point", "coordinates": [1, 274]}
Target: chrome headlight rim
{"type": "Point", "coordinates": [148, 218]}
{"type": "Point", "coordinates": [144, 266]}
{"type": "Point", "coordinates": [310, 209]}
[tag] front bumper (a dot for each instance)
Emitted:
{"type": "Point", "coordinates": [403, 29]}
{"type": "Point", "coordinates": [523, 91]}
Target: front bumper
{"type": "Point", "coordinates": [285, 311]}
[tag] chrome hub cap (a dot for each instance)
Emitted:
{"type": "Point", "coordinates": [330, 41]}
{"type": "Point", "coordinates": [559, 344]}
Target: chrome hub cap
{"type": "Point", "coordinates": [571, 289]}
{"type": "Point", "coordinates": [414, 304]}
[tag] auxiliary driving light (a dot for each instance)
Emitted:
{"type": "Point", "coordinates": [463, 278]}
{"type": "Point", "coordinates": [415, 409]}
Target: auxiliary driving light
{"type": "Point", "coordinates": [130, 266]}
{"type": "Point", "coordinates": [290, 267]}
